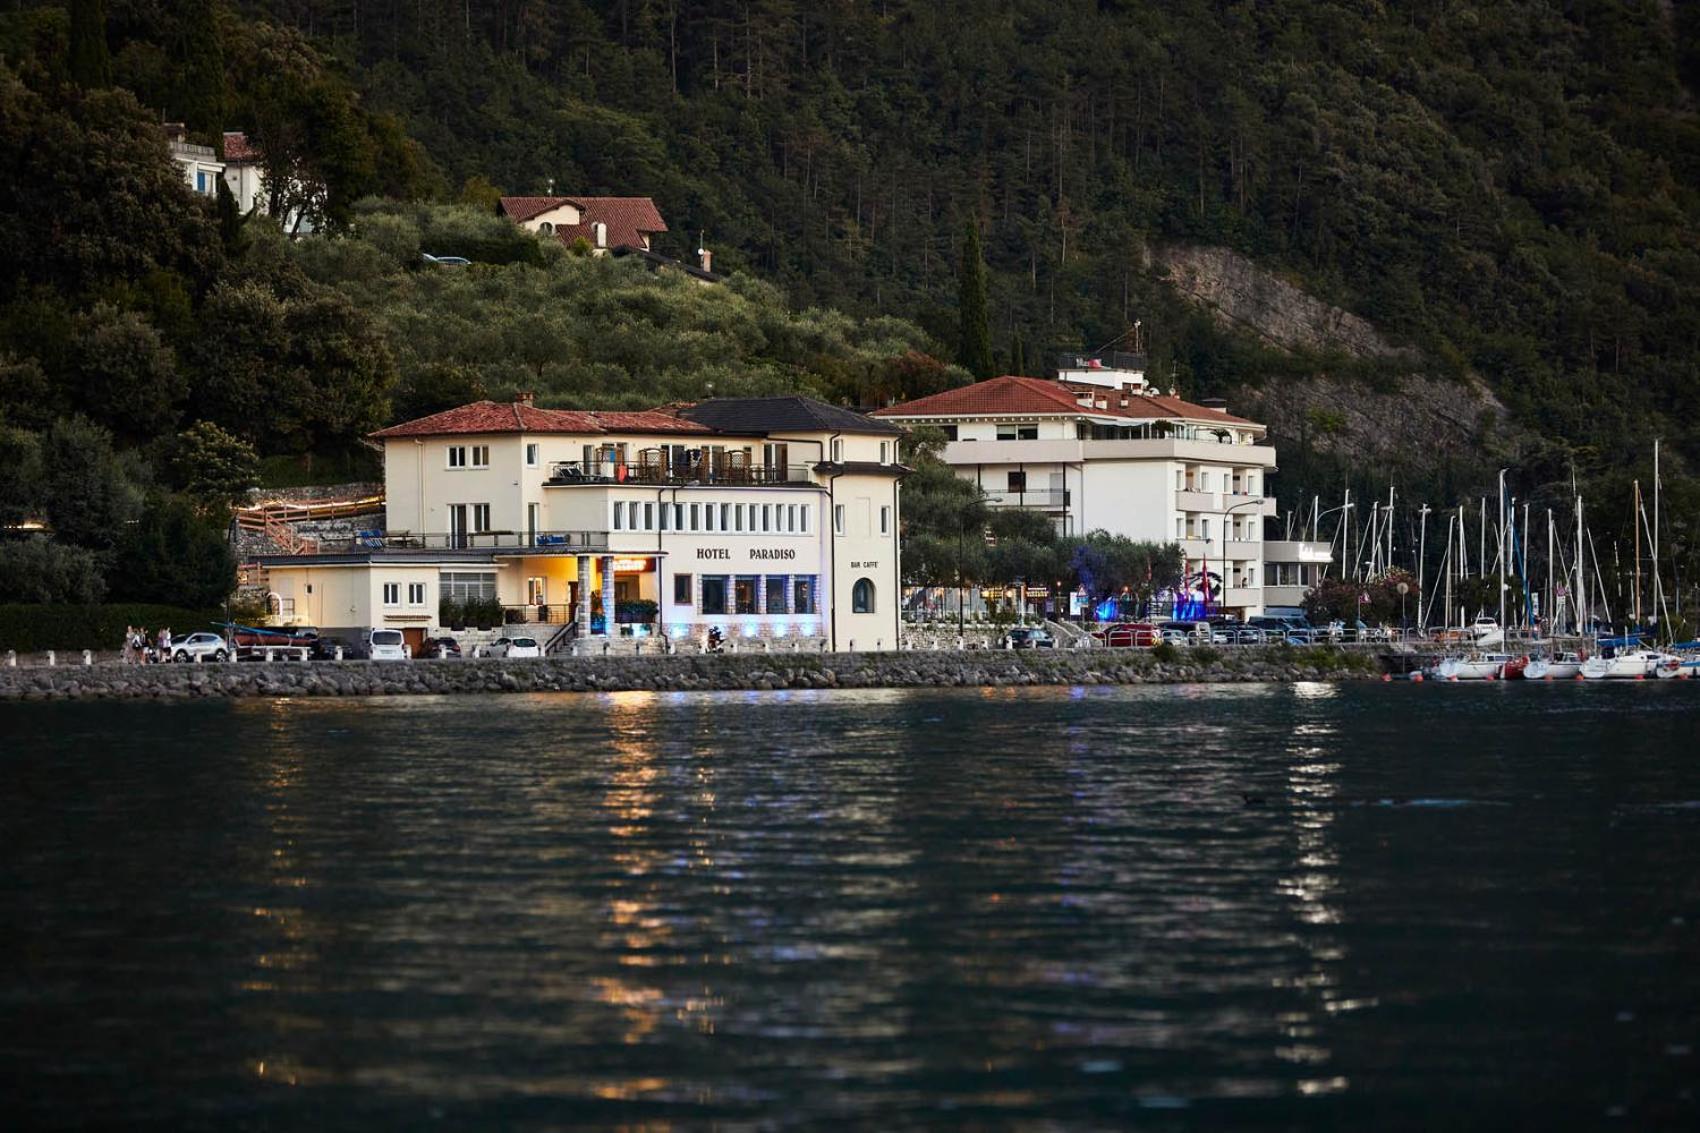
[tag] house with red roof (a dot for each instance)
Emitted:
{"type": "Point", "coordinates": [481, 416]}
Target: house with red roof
{"type": "Point", "coordinates": [771, 521]}
{"type": "Point", "coordinates": [1101, 448]}
{"type": "Point", "coordinates": [605, 223]}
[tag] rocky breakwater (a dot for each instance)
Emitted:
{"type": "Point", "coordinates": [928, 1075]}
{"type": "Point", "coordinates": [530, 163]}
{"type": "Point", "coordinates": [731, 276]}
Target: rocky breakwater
{"type": "Point", "coordinates": [915, 669]}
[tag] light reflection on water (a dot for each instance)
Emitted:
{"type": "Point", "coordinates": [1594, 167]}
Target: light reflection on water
{"type": "Point", "coordinates": [1204, 904]}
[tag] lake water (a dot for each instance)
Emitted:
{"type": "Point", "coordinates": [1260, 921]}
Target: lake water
{"type": "Point", "coordinates": [1365, 906]}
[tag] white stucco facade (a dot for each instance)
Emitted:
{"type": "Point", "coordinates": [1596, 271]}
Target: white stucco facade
{"type": "Point", "coordinates": [1111, 454]}
{"type": "Point", "coordinates": [785, 534]}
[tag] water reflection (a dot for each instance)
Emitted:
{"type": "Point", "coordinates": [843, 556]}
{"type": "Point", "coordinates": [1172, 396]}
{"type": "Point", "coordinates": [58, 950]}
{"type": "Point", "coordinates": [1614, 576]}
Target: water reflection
{"type": "Point", "coordinates": [996, 908]}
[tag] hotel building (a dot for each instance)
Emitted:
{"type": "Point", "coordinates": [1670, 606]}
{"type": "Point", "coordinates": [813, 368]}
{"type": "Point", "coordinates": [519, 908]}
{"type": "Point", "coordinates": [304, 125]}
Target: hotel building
{"type": "Point", "coordinates": [771, 518]}
{"type": "Point", "coordinates": [1099, 449]}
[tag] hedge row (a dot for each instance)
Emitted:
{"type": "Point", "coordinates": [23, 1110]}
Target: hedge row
{"type": "Point", "coordinates": [31, 628]}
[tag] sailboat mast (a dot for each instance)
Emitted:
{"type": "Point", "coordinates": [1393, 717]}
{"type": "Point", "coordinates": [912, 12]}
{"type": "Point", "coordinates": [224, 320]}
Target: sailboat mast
{"type": "Point", "coordinates": [1552, 586]}
{"type": "Point", "coordinates": [1581, 572]}
{"type": "Point", "coordinates": [1422, 553]}
{"type": "Point", "coordinates": [1501, 554]}
{"type": "Point", "coordinates": [1635, 527]}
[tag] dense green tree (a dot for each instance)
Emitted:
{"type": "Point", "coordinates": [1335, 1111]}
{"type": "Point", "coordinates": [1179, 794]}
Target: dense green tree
{"type": "Point", "coordinates": [174, 556]}
{"type": "Point", "coordinates": [86, 493]}
{"type": "Point", "coordinates": [125, 373]}
{"type": "Point", "coordinates": [91, 62]}
{"type": "Point", "coordinates": [90, 199]}
{"type": "Point", "coordinates": [213, 468]}
{"type": "Point", "coordinates": [974, 336]}
{"type": "Point", "coordinates": [20, 475]}
{"type": "Point", "coordinates": [41, 570]}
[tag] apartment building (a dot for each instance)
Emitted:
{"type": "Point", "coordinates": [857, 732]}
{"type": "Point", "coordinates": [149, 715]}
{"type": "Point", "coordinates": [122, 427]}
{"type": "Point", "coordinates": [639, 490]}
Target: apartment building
{"type": "Point", "coordinates": [1100, 448]}
{"type": "Point", "coordinates": [767, 518]}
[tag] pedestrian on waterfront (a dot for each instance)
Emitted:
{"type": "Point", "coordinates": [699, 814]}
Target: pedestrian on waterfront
{"type": "Point", "coordinates": [129, 648]}
{"type": "Point", "coordinates": [165, 643]}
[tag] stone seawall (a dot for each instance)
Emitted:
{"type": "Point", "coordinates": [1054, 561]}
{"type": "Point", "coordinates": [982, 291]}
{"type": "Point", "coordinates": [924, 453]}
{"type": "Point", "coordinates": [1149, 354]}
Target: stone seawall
{"type": "Point", "coordinates": [742, 671]}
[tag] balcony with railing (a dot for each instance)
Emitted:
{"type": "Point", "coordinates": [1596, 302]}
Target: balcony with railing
{"type": "Point", "coordinates": [1036, 498]}
{"type": "Point", "coordinates": [732, 471]}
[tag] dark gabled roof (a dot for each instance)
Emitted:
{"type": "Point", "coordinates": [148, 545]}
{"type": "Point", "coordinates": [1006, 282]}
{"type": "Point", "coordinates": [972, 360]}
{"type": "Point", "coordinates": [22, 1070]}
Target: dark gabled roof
{"type": "Point", "coordinates": [657, 260]}
{"type": "Point", "coordinates": [791, 413]}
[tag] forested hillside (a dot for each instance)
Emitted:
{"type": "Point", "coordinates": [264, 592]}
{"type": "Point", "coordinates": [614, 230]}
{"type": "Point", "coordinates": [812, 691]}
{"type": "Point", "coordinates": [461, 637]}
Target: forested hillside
{"type": "Point", "coordinates": [1505, 191]}
{"type": "Point", "coordinates": [1508, 186]}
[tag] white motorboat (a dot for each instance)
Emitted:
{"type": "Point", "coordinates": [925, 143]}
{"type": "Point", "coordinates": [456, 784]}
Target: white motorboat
{"type": "Point", "coordinates": [1624, 666]}
{"type": "Point", "coordinates": [1558, 667]}
{"type": "Point", "coordinates": [1482, 667]}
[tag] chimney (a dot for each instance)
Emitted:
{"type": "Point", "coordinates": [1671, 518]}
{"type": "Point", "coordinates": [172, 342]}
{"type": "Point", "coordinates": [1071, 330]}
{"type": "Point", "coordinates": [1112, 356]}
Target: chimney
{"type": "Point", "coordinates": [601, 231]}
{"type": "Point", "coordinates": [175, 132]}
{"type": "Point", "coordinates": [526, 398]}
{"type": "Point", "coordinates": [706, 258]}
{"type": "Point", "coordinates": [1217, 403]}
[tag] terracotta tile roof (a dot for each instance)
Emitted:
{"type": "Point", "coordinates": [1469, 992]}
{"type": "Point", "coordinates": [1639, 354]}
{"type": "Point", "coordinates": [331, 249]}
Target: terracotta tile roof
{"type": "Point", "coordinates": [515, 417]}
{"type": "Point", "coordinates": [630, 220]}
{"type": "Point", "coordinates": [1008, 396]}
{"type": "Point", "coordinates": [237, 147]}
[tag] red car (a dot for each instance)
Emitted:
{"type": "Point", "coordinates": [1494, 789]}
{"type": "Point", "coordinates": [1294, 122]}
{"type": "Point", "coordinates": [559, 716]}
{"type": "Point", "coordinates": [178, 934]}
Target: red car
{"type": "Point", "coordinates": [1124, 634]}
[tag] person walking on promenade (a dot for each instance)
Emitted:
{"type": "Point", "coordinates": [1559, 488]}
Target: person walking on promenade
{"type": "Point", "coordinates": [129, 645]}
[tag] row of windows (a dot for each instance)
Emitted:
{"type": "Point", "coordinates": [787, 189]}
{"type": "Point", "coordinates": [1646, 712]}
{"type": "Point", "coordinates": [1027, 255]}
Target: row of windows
{"type": "Point", "coordinates": [415, 593]}
{"type": "Point", "coordinates": [738, 593]}
{"type": "Point", "coordinates": [783, 519]}
{"type": "Point", "coordinates": [471, 456]}
{"type": "Point", "coordinates": [1187, 528]}
{"type": "Point", "coordinates": [1199, 480]}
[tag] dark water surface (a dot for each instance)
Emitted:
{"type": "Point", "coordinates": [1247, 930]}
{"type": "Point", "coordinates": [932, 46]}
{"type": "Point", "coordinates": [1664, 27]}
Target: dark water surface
{"type": "Point", "coordinates": [1361, 907]}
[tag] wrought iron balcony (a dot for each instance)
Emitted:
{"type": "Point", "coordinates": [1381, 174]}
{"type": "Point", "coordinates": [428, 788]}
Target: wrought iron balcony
{"type": "Point", "coordinates": [732, 471]}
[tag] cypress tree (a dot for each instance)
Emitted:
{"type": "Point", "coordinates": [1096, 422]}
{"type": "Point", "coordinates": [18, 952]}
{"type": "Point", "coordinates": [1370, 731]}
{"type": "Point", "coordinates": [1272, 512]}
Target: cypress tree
{"type": "Point", "coordinates": [199, 94]}
{"type": "Point", "coordinates": [230, 221]}
{"type": "Point", "coordinates": [91, 65]}
{"type": "Point", "coordinates": [975, 349]}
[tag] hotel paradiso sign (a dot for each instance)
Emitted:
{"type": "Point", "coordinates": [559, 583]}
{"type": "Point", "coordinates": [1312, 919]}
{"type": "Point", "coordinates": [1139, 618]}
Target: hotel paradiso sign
{"type": "Point", "coordinates": [707, 557]}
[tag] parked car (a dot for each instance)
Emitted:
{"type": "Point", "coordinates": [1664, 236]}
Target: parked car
{"type": "Point", "coordinates": [1189, 633]}
{"type": "Point", "coordinates": [1028, 637]}
{"type": "Point", "coordinates": [387, 645]}
{"type": "Point", "coordinates": [1248, 635]}
{"type": "Point", "coordinates": [202, 645]}
{"type": "Point", "coordinates": [1290, 630]}
{"type": "Point", "coordinates": [440, 649]}
{"type": "Point", "coordinates": [1126, 634]}
{"type": "Point", "coordinates": [514, 647]}
{"type": "Point", "coordinates": [324, 649]}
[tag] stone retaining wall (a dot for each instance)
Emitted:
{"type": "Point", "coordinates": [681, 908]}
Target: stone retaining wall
{"type": "Point", "coordinates": [743, 671]}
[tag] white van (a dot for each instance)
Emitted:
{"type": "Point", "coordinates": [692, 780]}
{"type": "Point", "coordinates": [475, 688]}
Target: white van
{"type": "Point", "coordinates": [386, 645]}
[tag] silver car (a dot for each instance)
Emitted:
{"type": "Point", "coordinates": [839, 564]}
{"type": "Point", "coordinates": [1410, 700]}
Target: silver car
{"type": "Point", "coordinates": [199, 646]}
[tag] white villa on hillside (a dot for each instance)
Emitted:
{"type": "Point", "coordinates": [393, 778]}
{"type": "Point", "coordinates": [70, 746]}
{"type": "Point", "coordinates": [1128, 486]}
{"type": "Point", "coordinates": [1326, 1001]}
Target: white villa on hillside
{"type": "Point", "coordinates": [772, 518]}
{"type": "Point", "coordinates": [1098, 448]}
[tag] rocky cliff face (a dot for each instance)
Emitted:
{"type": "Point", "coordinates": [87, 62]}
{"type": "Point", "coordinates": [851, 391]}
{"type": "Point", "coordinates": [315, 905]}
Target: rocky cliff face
{"type": "Point", "coordinates": [1406, 415]}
